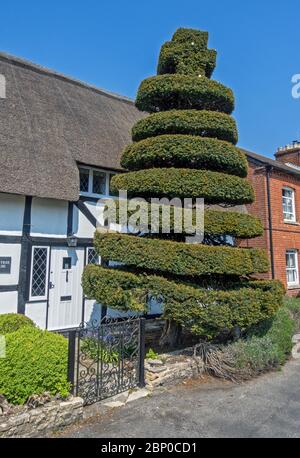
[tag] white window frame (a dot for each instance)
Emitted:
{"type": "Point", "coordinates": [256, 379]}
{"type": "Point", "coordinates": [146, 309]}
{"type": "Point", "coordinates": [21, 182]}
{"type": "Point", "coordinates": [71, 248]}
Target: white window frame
{"type": "Point", "coordinates": [45, 297]}
{"type": "Point", "coordinates": [293, 219]}
{"type": "Point", "coordinates": [87, 255]}
{"type": "Point", "coordinates": [91, 170]}
{"type": "Point", "coordinates": [296, 269]}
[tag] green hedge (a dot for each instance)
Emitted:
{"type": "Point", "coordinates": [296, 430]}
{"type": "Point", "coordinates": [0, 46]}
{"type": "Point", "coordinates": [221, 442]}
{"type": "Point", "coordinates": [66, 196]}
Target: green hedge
{"type": "Point", "coordinates": [167, 92]}
{"type": "Point", "coordinates": [267, 346]}
{"type": "Point", "coordinates": [178, 258]}
{"type": "Point", "coordinates": [35, 362]}
{"type": "Point", "coordinates": [11, 322]}
{"type": "Point", "coordinates": [186, 59]}
{"type": "Point", "coordinates": [205, 312]}
{"type": "Point", "coordinates": [216, 222]}
{"type": "Point", "coordinates": [214, 187]}
{"type": "Point", "coordinates": [185, 151]}
{"type": "Point", "coordinates": [183, 35]}
{"type": "Point", "coordinates": [191, 122]}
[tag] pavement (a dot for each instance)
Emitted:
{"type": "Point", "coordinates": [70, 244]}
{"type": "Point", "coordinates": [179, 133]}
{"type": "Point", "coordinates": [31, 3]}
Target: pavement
{"type": "Point", "coordinates": [268, 406]}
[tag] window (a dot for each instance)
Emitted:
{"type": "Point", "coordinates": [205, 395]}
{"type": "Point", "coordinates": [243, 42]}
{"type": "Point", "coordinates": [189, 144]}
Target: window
{"type": "Point", "coordinates": [39, 273]}
{"type": "Point", "coordinates": [292, 275]}
{"type": "Point", "coordinates": [94, 182]}
{"type": "Point", "coordinates": [99, 182]}
{"type": "Point", "coordinates": [92, 256]}
{"type": "Point", "coordinates": [288, 204]}
{"type": "Point", "coordinates": [84, 175]}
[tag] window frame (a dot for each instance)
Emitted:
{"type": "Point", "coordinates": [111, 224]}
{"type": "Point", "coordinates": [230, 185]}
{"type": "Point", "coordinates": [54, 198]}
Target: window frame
{"type": "Point", "coordinates": [296, 268]}
{"type": "Point", "coordinates": [287, 188]}
{"type": "Point", "coordinates": [45, 296]}
{"type": "Point", "coordinates": [87, 256]}
{"type": "Point", "coordinates": [90, 192]}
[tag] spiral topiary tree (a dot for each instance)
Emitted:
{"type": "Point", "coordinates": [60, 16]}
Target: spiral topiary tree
{"type": "Point", "coordinates": [186, 148]}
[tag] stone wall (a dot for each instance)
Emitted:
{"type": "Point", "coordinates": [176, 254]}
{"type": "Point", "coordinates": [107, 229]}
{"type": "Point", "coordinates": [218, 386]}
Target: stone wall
{"type": "Point", "coordinates": [170, 368]}
{"type": "Point", "coordinates": [36, 422]}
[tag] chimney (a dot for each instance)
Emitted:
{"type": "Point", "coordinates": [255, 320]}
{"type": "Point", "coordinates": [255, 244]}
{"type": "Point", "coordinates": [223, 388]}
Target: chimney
{"type": "Point", "coordinates": [289, 154]}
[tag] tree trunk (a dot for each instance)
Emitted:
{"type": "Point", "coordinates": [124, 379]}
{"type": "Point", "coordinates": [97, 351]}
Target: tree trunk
{"type": "Point", "coordinates": [171, 335]}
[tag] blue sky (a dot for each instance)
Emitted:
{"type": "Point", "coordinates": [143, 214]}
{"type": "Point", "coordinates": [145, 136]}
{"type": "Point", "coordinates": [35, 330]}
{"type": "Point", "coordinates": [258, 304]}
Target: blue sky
{"type": "Point", "coordinates": [115, 44]}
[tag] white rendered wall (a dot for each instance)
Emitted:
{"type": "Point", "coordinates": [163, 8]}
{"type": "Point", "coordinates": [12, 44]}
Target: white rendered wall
{"type": "Point", "coordinates": [11, 214]}
{"type": "Point", "coordinates": [8, 302]}
{"type": "Point", "coordinates": [49, 218]}
{"type": "Point", "coordinates": [37, 311]}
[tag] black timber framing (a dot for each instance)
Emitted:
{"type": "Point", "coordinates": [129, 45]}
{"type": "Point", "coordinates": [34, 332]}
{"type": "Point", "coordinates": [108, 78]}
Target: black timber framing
{"type": "Point", "coordinates": [25, 258]}
{"type": "Point", "coordinates": [86, 212]}
{"type": "Point", "coordinates": [70, 219]}
{"type": "Point", "coordinates": [8, 288]}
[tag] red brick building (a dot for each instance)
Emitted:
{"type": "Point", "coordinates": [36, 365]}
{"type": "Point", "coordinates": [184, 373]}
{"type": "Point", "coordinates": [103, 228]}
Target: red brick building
{"type": "Point", "coordinates": [277, 188]}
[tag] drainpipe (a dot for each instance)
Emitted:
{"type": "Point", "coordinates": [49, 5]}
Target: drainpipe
{"type": "Point", "coordinates": [269, 169]}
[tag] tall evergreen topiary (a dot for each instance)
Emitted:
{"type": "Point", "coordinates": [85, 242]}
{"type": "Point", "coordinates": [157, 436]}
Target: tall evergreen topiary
{"type": "Point", "coordinates": [186, 148]}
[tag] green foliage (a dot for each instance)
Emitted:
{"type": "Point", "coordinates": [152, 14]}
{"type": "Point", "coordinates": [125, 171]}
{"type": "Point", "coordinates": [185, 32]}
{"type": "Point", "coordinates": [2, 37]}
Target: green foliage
{"type": "Point", "coordinates": [167, 92]}
{"type": "Point", "coordinates": [179, 259]}
{"type": "Point", "coordinates": [35, 362]}
{"type": "Point", "coordinates": [186, 59]}
{"type": "Point", "coordinates": [199, 37]}
{"type": "Point", "coordinates": [189, 122]}
{"type": "Point", "coordinates": [177, 144]}
{"type": "Point", "coordinates": [185, 151]}
{"type": "Point", "coordinates": [267, 346]}
{"type": "Point", "coordinates": [204, 311]}
{"type": "Point", "coordinates": [214, 187]}
{"type": "Point", "coordinates": [11, 322]}
{"type": "Point", "coordinates": [151, 354]}
{"type": "Point", "coordinates": [95, 350]}
{"type": "Point", "coordinates": [292, 304]}
{"type": "Point", "coordinates": [216, 223]}
{"type": "Point", "coordinates": [232, 223]}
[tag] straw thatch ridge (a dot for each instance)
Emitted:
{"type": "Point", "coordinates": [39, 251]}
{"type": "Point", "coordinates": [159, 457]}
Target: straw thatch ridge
{"type": "Point", "coordinates": [49, 123]}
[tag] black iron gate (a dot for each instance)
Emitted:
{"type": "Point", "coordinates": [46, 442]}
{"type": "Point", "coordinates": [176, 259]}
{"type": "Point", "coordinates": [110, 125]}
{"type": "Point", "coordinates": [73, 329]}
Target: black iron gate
{"type": "Point", "coordinates": [106, 358]}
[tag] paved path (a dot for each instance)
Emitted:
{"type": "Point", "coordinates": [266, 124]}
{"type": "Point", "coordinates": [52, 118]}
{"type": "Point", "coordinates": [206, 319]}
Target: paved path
{"type": "Point", "coordinates": [268, 406]}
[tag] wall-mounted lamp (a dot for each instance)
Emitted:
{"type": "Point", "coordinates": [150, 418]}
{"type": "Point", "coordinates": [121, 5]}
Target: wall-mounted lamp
{"type": "Point", "coordinates": [72, 241]}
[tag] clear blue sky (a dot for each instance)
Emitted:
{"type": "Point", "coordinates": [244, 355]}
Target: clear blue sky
{"type": "Point", "coordinates": [115, 44]}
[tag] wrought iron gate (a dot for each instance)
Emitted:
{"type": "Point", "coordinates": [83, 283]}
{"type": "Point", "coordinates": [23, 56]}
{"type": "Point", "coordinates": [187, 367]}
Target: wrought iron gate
{"type": "Point", "coordinates": [106, 358]}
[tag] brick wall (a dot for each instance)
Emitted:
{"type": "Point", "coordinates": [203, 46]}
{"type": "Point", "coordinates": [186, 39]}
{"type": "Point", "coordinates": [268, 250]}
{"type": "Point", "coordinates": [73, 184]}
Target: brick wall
{"type": "Point", "coordinates": [285, 235]}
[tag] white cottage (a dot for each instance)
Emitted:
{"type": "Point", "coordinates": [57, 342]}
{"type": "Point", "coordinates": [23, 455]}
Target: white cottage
{"type": "Point", "coordinates": [60, 143]}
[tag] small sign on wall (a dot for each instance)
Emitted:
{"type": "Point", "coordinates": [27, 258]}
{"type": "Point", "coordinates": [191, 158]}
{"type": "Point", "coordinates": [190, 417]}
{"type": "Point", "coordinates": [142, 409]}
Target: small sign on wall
{"type": "Point", "coordinates": [5, 265]}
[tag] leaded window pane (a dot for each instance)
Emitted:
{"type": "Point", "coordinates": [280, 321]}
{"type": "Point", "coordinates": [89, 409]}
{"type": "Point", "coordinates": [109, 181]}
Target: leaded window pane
{"type": "Point", "coordinates": [92, 257]}
{"type": "Point", "coordinates": [99, 182]}
{"type": "Point", "coordinates": [84, 180]}
{"type": "Point", "coordinates": [39, 272]}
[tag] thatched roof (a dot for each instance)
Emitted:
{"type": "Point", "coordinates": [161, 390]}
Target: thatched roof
{"type": "Point", "coordinates": [49, 122]}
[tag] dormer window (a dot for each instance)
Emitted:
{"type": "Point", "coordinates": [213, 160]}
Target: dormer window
{"type": "Point", "coordinates": [288, 204]}
{"type": "Point", "coordinates": [94, 182]}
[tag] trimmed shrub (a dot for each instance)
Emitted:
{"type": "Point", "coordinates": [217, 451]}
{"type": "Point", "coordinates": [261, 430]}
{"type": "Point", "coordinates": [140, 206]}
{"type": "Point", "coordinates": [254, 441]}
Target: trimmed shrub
{"type": "Point", "coordinates": [184, 104]}
{"type": "Point", "coordinates": [214, 187]}
{"type": "Point", "coordinates": [11, 322]}
{"type": "Point", "coordinates": [267, 346]}
{"type": "Point", "coordinates": [178, 258]}
{"type": "Point", "coordinates": [183, 35]}
{"type": "Point", "coordinates": [292, 304]}
{"type": "Point", "coordinates": [202, 123]}
{"type": "Point", "coordinates": [205, 312]}
{"type": "Point", "coordinates": [167, 92]}
{"type": "Point", "coordinates": [185, 151]}
{"type": "Point", "coordinates": [186, 59]}
{"type": "Point", "coordinates": [216, 222]}
{"type": "Point", "coordinates": [35, 362]}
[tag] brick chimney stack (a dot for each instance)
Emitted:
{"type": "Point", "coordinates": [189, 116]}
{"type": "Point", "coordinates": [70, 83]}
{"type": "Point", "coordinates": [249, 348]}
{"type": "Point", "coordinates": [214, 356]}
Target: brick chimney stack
{"type": "Point", "coordinates": [289, 153]}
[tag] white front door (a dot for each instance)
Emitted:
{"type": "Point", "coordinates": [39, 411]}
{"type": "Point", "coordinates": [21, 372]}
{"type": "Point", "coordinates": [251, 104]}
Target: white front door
{"type": "Point", "coordinates": [65, 291]}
